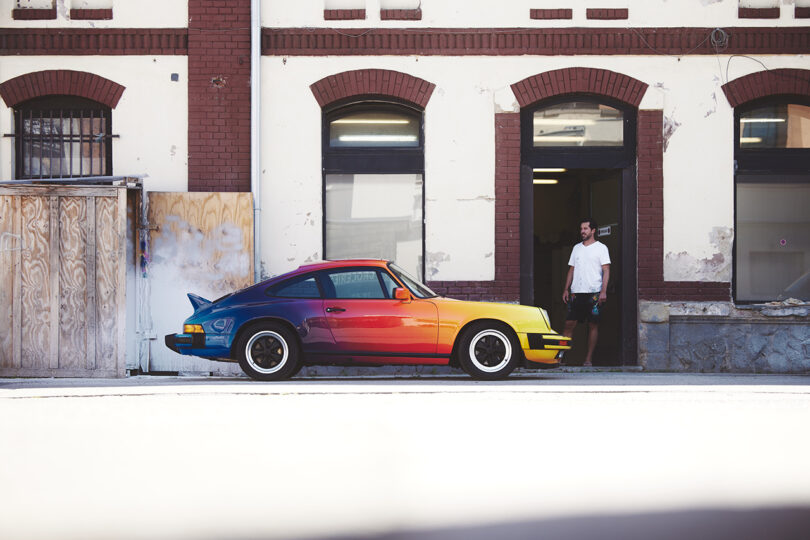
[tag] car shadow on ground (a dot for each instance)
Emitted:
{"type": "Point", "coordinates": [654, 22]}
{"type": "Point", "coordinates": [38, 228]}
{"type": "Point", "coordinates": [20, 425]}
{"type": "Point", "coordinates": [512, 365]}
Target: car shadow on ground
{"type": "Point", "coordinates": [771, 524]}
{"type": "Point", "coordinates": [544, 378]}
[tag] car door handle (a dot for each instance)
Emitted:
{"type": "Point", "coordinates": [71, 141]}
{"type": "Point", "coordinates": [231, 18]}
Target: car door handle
{"type": "Point", "coordinates": [334, 309]}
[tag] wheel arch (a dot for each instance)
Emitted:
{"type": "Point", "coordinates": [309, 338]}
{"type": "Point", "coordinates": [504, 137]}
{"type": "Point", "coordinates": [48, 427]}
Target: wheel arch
{"type": "Point", "coordinates": [259, 320]}
{"type": "Point", "coordinates": [498, 322]}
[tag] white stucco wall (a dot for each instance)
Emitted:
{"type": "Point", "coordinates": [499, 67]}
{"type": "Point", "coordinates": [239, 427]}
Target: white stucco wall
{"type": "Point", "coordinates": [126, 14]}
{"type": "Point", "coordinates": [151, 117]}
{"type": "Point", "coordinates": [459, 155]}
{"type": "Point", "coordinates": [515, 13]}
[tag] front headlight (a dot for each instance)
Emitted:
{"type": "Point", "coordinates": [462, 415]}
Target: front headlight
{"type": "Point", "coordinates": [545, 317]}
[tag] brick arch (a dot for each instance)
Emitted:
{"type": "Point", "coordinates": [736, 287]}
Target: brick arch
{"type": "Point", "coordinates": [372, 81]}
{"type": "Point", "coordinates": [767, 83]}
{"type": "Point", "coordinates": [575, 80]}
{"type": "Point", "coordinates": [61, 81]}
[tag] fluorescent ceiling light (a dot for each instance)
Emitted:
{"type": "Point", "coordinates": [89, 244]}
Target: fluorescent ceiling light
{"type": "Point", "coordinates": [761, 120]}
{"type": "Point", "coordinates": [549, 170]}
{"type": "Point", "coordinates": [563, 122]}
{"type": "Point", "coordinates": [750, 140]}
{"type": "Point", "coordinates": [561, 138]}
{"type": "Point", "coordinates": [377, 138]}
{"type": "Point", "coordinates": [369, 121]}
{"type": "Point", "coordinates": [547, 181]}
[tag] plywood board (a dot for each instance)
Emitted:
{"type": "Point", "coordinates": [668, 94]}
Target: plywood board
{"type": "Point", "coordinates": [36, 282]}
{"type": "Point", "coordinates": [106, 282]}
{"type": "Point", "coordinates": [62, 281]}
{"type": "Point", "coordinates": [9, 251]}
{"type": "Point", "coordinates": [72, 282]}
{"type": "Point", "coordinates": [200, 243]}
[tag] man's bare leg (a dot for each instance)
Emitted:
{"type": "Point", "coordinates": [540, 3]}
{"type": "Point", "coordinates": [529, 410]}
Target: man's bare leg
{"type": "Point", "coordinates": [593, 335]}
{"type": "Point", "coordinates": [568, 331]}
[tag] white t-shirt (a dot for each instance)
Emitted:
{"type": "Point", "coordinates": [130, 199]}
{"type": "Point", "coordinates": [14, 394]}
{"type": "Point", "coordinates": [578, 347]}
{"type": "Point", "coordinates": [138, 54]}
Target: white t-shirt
{"type": "Point", "coordinates": [587, 262]}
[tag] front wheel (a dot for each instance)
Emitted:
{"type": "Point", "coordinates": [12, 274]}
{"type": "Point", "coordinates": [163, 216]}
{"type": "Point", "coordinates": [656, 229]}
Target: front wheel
{"type": "Point", "coordinates": [488, 351]}
{"type": "Point", "coordinates": [268, 352]}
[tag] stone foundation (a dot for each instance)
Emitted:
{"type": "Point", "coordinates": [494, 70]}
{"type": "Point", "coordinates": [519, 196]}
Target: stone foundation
{"type": "Point", "coordinates": [721, 337]}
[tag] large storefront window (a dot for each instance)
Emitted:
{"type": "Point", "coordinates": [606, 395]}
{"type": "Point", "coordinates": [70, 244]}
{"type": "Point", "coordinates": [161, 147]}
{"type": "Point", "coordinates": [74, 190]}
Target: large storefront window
{"type": "Point", "coordinates": [772, 189]}
{"type": "Point", "coordinates": [373, 184]}
{"type": "Point", "coordinates": [62, 136]}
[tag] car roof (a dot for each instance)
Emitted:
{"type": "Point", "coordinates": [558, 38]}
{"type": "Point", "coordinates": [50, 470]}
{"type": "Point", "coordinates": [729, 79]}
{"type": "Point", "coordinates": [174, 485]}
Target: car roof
{"type": "Point", "coordinates": [343, 263]}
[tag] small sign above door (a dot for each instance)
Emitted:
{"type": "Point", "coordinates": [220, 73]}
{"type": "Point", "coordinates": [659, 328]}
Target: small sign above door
{"type": "Point", "coordinates": [604, 231]}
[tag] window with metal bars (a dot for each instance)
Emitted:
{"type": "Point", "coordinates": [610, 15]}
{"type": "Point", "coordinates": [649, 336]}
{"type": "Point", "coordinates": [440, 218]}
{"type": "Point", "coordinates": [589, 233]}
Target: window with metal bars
{"type": "Point", "coordinates": [62, 137]}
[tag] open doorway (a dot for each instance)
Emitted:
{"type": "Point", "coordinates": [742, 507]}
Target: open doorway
{"type": "Point", "coordinates": [562, 198]}
{"type": "Point", "coordinates": [584, 146]}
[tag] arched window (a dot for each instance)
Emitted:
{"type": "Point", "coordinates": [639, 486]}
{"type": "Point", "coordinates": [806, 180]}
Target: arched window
{"type": "Point", "coordinates": [373, 161]}
{"type": "Point", "coordinates": [772, 197]}
{"type": "Point", "coordinates": [62, 136]}
{"type": "Point", "coordinates": [579, 130]}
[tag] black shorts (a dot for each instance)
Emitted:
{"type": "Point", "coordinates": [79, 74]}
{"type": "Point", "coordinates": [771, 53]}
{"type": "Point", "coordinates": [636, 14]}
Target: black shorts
{"type": "Point", "coordinates": [583, 307]}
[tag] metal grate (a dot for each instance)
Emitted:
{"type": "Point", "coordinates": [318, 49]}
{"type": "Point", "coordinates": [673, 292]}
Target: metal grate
{"type": "Point", "coordinates": [63, 143]}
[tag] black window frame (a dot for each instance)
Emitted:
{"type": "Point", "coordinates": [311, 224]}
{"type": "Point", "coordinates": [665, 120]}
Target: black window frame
{"type": "Point", "coordinates": [37, 107]}
{"type": "Point", "coordinates": [371, 160]}
{"type": "Point", "coordinates": [579, 157]}
{"type": "Point", "coordinates": [767, 163]}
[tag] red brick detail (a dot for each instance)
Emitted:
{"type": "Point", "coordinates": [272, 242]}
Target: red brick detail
{"type": "Point", "coordinates": [802, 13]}
{"type": "Point", "coordinates": [61, 81]}
{"type": "Point", "coordinates": [365, 82]}
{"type": "Point", "coordinates": [651, 284]}
{"type": "Point", "coordinates": [506, 285]}
{"type": "Point", "coordinates": [93, 41]}
{"type": "Point", "coordinates": [758, 13]}
{"type": "Point", "coordinates": [91, 14]}
{"type": "Point", "coordinates": [29, 14]}
{"type": "Point", "coordinates": [344, 14]}
{"type": "Point", "coordinates": [401, 14]}
{"type": "Point", "coordinates": [579, 80]}
{"type": "Point", "coordinates": [607, 14]}
{"type": "Point", "coordinates": [219, 95]}
{"type": "Point", "coordinates": [529, 41]}
{"type": "Point", "coordinates": [548, 14]}
{"type": "Point", "coordinates": [767, 83]}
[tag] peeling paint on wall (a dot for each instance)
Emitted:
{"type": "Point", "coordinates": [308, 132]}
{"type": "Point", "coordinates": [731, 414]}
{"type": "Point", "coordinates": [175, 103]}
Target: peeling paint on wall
{"type": "Point", "coordinates": [712, 106]}
{"type": "Point", "coordinates": [433, 261]}
{"type": "Point", "coordinates": [684, 267]}
{"type": "Point", "coordinates": [670, 126]}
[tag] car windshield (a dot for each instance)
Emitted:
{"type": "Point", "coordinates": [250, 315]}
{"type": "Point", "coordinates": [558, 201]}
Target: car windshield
{"type": "Point", "coordinates": [419, 290]}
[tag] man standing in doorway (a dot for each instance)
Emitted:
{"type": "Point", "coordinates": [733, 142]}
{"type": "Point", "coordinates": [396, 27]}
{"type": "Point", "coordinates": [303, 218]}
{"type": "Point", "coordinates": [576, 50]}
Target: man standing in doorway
{"type": "Point", "coordinates": [586, 285]}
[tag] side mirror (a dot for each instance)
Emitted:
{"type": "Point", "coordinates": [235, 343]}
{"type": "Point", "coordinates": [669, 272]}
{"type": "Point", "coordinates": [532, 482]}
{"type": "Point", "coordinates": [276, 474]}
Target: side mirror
{"type": "Point", "coordinates": [401, 293]}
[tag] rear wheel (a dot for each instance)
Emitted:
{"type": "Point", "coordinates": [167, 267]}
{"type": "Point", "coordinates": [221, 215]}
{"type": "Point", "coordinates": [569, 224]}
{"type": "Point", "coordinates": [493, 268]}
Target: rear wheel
{"type": "Point", "coordinates": [268, 352]}
{"type": "Point", "coordinates": [488, 351]}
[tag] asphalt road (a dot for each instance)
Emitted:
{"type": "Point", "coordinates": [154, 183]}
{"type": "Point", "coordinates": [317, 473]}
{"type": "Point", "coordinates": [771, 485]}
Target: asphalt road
{"type": "Point", "coordinates": [559, 455]}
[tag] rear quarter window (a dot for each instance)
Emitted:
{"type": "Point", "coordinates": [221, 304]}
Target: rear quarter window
{"type": "Point", "coordinates": [298, 287]}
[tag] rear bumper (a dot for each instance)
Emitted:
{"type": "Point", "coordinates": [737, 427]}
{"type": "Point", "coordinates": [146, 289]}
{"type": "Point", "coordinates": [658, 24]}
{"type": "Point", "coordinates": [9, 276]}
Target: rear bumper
{"type": "Point", "coordinates": [184, 343]}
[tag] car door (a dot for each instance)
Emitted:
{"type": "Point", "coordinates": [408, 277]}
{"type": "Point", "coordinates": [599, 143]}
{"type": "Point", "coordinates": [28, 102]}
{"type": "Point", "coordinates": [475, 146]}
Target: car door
{"type": "Point", "coordinates": [366, 320]}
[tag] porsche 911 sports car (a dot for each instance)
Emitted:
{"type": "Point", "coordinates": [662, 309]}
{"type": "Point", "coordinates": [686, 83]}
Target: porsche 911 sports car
{"type": "Point", "coordinates": [362, 312]}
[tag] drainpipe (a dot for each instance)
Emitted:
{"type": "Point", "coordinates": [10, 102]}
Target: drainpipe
{"type": "Point", "coordinates": [255, 131]}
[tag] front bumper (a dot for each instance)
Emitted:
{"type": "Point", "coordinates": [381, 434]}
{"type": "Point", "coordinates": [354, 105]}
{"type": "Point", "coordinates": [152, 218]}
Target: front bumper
{"type": "Point", "coordinates": [543, 348]}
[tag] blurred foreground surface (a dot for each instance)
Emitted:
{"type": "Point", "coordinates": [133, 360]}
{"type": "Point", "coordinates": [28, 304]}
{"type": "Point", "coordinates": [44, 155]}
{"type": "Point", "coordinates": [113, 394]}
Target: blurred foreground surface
{"type": "Point", "coordinates": [554, 455]}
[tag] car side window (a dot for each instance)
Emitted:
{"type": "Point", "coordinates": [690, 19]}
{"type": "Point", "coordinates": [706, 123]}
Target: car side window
{"type": "Point", "coordinates": [389, 284]}
{"type": "Point", "coordinates": [305, 287]}
{"type": "Point", "coordinates": [354, 284]}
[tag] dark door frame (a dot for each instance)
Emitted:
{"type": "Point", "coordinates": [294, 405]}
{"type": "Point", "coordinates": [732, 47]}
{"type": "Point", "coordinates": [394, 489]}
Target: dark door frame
{"type": "Point", "coordinates": [623, 158]}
